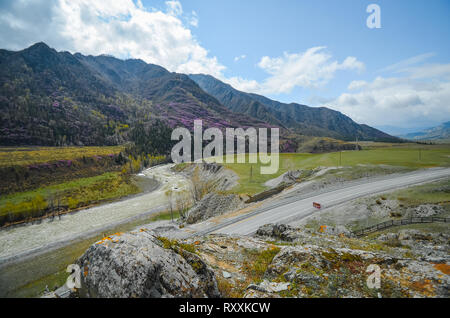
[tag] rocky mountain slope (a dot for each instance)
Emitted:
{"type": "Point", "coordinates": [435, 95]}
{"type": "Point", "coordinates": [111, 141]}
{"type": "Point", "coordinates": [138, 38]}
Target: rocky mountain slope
{"type": "Point", "coordinates": [304, 120]}
{"type": "Point", "coordinates": [57, 98]}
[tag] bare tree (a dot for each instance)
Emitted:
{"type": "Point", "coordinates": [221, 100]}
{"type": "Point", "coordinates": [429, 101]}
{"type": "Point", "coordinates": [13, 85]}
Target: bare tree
{"type": "Point", "coordinates": [183, 202]}
{"type": "Point", "coordinates": [200, 186]}
{"type": "Point", "coordinates": [178, 201]}
{"type": "Point", "coordinates": [169, 194]}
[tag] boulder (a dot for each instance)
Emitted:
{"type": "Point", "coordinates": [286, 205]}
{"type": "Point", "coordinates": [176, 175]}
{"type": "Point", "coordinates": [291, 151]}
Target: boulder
{"type": "Point", "coordinates": [413, 235]}
{"type": "Point", "coordinates": [338, 230]}
{"type": "Point", "coordinates": [426, 210]}
{"type": "Point", "coordinates": [388, 237]}
{"type": "Point", "coordinates": [269, 287]}
{"type": "Point", "coordinates": [279, 231]}
{"type": "Point", "coordinates": [137, 264]}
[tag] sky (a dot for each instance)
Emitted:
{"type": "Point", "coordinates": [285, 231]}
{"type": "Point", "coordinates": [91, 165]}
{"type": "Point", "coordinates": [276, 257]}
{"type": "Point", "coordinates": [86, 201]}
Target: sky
{"type": "Point", "coordinates": [318, 53]}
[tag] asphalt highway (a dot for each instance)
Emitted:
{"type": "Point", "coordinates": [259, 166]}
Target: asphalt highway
{"type": "Point", "coordinates": [296, 209]}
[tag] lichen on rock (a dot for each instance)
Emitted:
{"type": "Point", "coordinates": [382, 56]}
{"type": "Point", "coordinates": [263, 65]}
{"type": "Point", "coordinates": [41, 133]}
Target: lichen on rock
{"type": "Point", "coordinates": [136, 264]}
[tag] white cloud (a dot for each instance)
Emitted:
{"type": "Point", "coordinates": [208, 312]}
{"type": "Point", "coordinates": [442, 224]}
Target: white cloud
{"type": "Point", "coordinates": [240, 57]}
{"type": "Point", "coordinates": [357, 85]}
{"type": "Point", "coordinates": [429, 70]}
{"type": "Point", "coordinates": [402, 65]}
{"type": "Point", "coordinates": [312, 68]}
{"type": "Point", "coordinates": [193, 20]}
{"type": "Point", "coordinates": [174, 8]}
{"type": "Point", "coordinates": [422, 95]}
{"type": "Point", "coordinates": [121, 28]}
{"type": "Point", "coordinates": [243, 84]}
{"type": "Point", "coordinates": [125, 28]}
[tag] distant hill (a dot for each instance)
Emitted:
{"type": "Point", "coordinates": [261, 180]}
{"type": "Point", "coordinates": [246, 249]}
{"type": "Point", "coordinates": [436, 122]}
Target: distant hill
{"type": "Point", "coordinates": [399, 131]}
{"type": "Point", "coordinates": [436, 133]}
{"type": "Point", "coordinates": [301, 119]}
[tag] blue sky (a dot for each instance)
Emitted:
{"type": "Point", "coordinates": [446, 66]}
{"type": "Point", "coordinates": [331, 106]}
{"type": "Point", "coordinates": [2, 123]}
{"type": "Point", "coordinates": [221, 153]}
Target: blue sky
{"type": "Point", "coordinates": [311, 52]}
{"type": "Point", "coordinates": [259, 28]}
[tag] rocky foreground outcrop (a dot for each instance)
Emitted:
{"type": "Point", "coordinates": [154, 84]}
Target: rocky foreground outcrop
{"type": "Point", "coordinates": [412, 263]}
{"type": "Point", "coordinates": [138, 264]}
{"type": "Point", "coordinates": [279, 261]}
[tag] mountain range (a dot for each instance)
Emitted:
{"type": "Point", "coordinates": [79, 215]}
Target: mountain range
{"type": "Point", "coordinates": [301, 119]}
{"type": "Point", "coordinates": [435, 133]}
{"type": "Point", "coordinates": [58, 98]}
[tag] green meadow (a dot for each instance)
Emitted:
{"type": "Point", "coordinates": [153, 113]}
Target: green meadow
{"type": "Point", "coordinates": [410, 156]}
{"type": "Point", "coordinates": [67, 195]}
{"type": "Point", "coordinates": [10, 156]}
{"type": "Point", "coordinates": [35, 183]}
{"type": "Point", "coordinates": [429, 193]}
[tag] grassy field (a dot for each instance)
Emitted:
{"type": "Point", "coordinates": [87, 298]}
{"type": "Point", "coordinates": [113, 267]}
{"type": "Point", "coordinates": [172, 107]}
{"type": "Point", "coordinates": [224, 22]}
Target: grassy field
{"type": "Point", "coordinates": [79, 188]}
{"type": "Point", "coordinates": [427, 228]}
{"type": "Point", "coordinates": [68, 195]}
{"type": "Point", "coordinates": [367, 145]}
{"type": "Point", "coordinates": [412, 156]}
{"type": "Point", "coordinates": [430, 193]}
{"type": "Point", "coordinates": [165, 216]}
{"type": "Point", "coordinates": [31, 155]}
{"type": "Point", "coordinates": [38, 181]}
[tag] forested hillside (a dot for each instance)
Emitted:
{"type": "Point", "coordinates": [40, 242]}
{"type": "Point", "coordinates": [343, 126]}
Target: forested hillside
{"type": "Point", "coordinates": [56, 98]}
{"type": "Point", "coordinates": [301, 119]}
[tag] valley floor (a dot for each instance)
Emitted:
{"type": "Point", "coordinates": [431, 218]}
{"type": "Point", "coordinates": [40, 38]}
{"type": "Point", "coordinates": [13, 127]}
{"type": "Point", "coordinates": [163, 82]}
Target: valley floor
{"type": "Point", "coordinates": [331, 186]}
{"type": "Point", "coordinates": [20, 241]}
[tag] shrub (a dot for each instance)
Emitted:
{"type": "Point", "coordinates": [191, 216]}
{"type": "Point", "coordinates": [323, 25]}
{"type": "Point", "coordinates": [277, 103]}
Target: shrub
{"type": "Point", "coordinates": [259, 261]}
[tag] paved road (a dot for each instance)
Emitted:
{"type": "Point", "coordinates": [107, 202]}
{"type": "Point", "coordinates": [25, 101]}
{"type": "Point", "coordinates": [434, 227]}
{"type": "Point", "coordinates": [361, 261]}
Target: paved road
{"type": "Point", "coordinates": [296, 208]}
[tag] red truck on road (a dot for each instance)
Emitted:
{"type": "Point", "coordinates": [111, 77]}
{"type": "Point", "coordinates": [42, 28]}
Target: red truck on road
{"type": "Point", "coordinates": [317, 205]}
